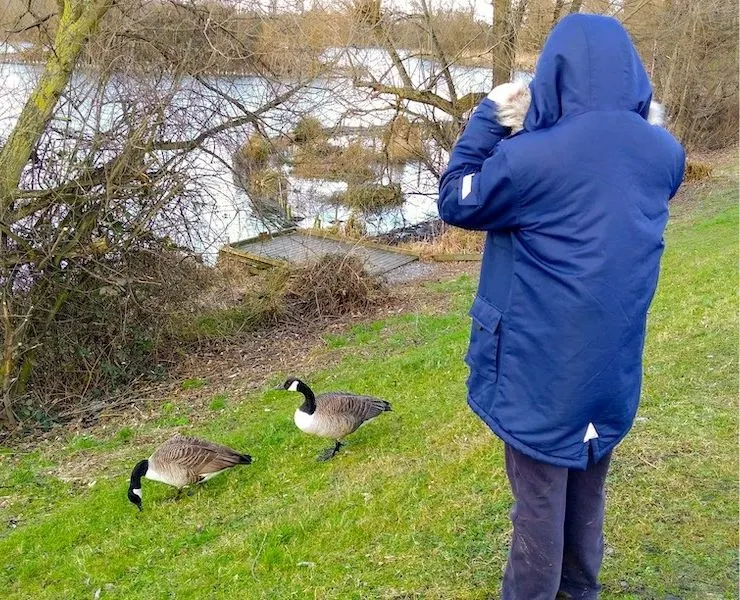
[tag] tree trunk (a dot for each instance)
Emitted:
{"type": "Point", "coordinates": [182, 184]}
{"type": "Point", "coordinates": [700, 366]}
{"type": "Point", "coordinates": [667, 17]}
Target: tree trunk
{"type": "Point", "coordinates": [558, 10]}
{"type": "Point", "coordinates": [77, 21]}
{"type": "Point", "coordinates": [7, 364]}
{"type": "Point", "coordinates": [439, 53]}
{"type": "Point", "coordinates": [503, 53]}
{"type": "Point", "coordinates": [514, 24]}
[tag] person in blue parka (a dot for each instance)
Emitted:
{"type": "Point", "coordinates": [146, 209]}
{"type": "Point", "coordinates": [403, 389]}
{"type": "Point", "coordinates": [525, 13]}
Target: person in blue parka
{"type": "Point", "coordinates": [573, 195]}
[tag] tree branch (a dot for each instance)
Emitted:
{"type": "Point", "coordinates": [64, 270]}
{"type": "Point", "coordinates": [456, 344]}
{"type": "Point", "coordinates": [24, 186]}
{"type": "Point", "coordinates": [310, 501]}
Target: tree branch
{"type": "Point", "coordinates": [414, 95]}
{"type": "Point", "coordinates": [439, 52]}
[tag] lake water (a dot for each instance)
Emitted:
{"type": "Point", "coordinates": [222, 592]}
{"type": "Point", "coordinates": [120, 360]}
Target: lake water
{"type": "Point", "coordinates": [226, 213]}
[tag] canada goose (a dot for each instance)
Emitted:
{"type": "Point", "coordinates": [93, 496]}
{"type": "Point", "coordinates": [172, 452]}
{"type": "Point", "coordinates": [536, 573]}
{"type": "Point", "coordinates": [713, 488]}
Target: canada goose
{"type": "Point", "coordinates": [182, 461]}
{"type": "Point", "coordinates": [332, 415]}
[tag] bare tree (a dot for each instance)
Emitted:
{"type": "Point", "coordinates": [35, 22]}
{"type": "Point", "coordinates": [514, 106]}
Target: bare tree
{"type": "Point", "coordinates": [446, 99]}
{"type": "Point", "coordinates": [693, 60]}
{"type": "Point", "coordinates": [108, 164]}
{"type": "Point", "coordinates": [78, 20]}
{"type": "Point", "coordinates": [558, 11]}
{"type": "Point", "coordinates": [502, 53]}
{"type": "Point", "coordinates": [508, 17]}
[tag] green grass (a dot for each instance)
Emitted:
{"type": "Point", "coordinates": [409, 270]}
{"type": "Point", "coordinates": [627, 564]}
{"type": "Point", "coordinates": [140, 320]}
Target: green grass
{"type": "Point", "coordinates": [218, 402]}
{"type": "Point", "coordinates": [194, 383]}
{"type": "Point", "coordinates": [416, 506]}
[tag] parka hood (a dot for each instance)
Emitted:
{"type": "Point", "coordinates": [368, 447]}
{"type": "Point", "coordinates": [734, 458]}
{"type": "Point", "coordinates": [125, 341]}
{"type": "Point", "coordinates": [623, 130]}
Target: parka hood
{"type": "Point", "coordinates": [588, 63]}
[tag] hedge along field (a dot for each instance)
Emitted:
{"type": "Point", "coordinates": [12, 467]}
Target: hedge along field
{"type": "Point", "coordinates": [416, 505]}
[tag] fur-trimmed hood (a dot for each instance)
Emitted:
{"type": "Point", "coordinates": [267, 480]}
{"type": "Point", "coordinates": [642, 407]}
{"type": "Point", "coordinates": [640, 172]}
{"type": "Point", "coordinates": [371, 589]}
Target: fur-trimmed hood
{"type": "Point", "coordinates": [588, 63]}
{"type": "Point", "coordinates": [513, 101]}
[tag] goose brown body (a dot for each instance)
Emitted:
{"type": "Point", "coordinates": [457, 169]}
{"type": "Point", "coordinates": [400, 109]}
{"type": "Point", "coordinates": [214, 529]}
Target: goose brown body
{"type": "Point", "coordinates": [338, 414]}
{"type": "Point", "coordinates": [333, 414]}
{"type": "Point", "coordinates": [183, 460]}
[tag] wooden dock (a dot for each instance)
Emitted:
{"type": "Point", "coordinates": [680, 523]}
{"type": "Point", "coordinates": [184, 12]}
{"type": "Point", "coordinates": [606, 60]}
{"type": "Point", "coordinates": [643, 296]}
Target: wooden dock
{"type": "Point", "coordinates": [299, 246]}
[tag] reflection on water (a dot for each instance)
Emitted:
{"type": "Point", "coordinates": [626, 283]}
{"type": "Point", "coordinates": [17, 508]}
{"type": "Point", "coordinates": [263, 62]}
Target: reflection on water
{"type": "Point", "coordinates": [226, 214]}
{"type": "Point", "coordinates": [311, 205]}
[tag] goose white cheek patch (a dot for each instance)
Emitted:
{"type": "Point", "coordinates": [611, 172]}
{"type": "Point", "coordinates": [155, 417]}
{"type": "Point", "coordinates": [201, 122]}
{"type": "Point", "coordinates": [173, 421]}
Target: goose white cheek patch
{"type": "Point", "coordinates": [293, 387]}
{"type": "Point", "coordinates": [137, 492]}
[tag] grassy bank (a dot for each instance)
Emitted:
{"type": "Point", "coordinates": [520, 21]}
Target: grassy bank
{"type": "Point", "coordinates": [416, 506]}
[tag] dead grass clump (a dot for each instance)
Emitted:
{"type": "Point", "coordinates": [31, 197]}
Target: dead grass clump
{"type": "Point", "coordinates": [354, 227]}
{"type": "Point", "coordinates": [453, 241]}
{"type": "Point", "coordinates": [403, 141]}
{"type": "Point", "coordinates": [268, 183]}
{"type": "Point", "coordinates": [697, 171]}
{"type": "Point", "coordinates": [261, 304]}
{"type": "Point", "coordinates": [308, 130]}
{"type": "Point", "coordinates": [333, 285]}
{"type": "Point", "coordinates": [255, 154]}
{"type": "Point", "coordinates": [370, 197]}
{"type": "Point", "coordinates": [324, 161]}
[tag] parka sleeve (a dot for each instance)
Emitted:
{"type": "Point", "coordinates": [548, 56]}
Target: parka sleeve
{"type": "Point", "coordinates": [679, 170]}
{"type": "Point", "coordinates": [476, 191]}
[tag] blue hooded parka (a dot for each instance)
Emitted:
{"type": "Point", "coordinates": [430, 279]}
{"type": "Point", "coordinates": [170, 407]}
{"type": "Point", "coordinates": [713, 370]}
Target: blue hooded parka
{"type": "Point", "coordinates": [575, 206]}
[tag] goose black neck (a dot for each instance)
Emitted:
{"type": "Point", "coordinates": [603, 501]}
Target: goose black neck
{"type": "Point", "coordinates": [309, 404]}
{"type": "Point", "coordinates": [139, 471]}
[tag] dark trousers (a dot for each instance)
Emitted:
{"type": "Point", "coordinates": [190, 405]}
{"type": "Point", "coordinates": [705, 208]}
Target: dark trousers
{"type": "Point", "coordinates": [558, 541]}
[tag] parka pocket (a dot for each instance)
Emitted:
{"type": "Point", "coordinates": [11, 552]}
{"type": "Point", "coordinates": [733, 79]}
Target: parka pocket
{"type": "Point", "coordinates": [483, 350]}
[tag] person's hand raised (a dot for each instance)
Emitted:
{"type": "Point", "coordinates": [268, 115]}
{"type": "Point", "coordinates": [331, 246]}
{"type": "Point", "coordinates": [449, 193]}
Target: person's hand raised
{"type": "Point", "coordinates": [512, 103]}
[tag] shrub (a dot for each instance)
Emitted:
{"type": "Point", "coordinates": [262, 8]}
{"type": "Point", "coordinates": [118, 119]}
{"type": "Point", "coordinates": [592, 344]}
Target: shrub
{"type": "Point", "coordinates": [256, 153]}
{"type": "Point", "coordinates": [268, 194]}
{"type": "Point", "coordinates": [403, 141]}
{"type": "Point", "coordinates": [352, 164]}
{"type": "Point", "coordinates": [696, 171]}
{"type": "Point", "coordinates": [107, 335]}
{"type": "Point", "coordinates": [372, 197]}
{"type": "Point", "coordinates": [333, 285]}
{"type": "Point", "coordinates": [308, 130]}
{"type": "Point", "coordinates": [354, 227]}
{"type": "Point", "coordinates": [268, 184]}
{"type": "Point", "coordinates": [105, 338]}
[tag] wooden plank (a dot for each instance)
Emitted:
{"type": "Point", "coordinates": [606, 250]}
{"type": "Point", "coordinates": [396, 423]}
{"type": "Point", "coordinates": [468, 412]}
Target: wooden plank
{"type": "Point", "coordinates": [360, 242]}
{"type": "Point", "coordinates": [456, 257]}
{"type": "Point", "coordinates": [262, 236]}
{"type": "Point", "coordinates": [248, 256]}
{"type": "Point", "coordinates": [300, 246]}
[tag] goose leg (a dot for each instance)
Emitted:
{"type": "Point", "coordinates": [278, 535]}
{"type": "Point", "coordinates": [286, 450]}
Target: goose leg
{"type": "Point", "coordinates": [329, 452]}
{"type": "Point", "coordinates": [179, 493]}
